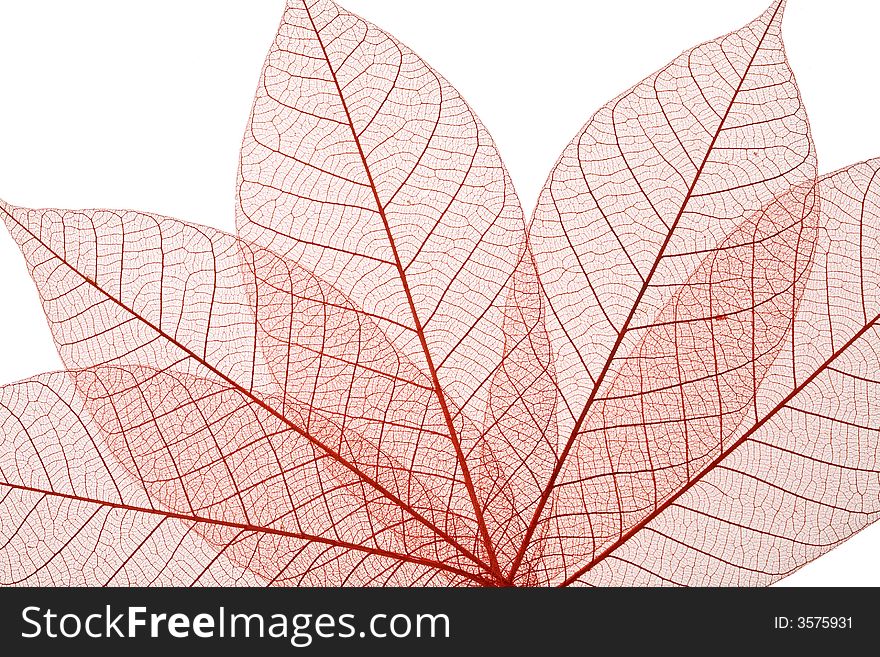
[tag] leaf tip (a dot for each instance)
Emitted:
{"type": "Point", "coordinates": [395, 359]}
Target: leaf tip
{"type": "Point", "coordinates": [776, 11]}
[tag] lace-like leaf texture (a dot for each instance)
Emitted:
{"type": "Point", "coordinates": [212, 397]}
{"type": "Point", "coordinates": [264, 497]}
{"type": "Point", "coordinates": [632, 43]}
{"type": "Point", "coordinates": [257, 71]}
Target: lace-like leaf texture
{"type": "Point", "coordinates": [390, 377]}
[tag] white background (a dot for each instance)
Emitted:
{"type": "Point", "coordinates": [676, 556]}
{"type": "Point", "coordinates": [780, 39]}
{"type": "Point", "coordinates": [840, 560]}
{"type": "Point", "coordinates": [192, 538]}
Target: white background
{"type": "Point", "coordinates": [133, 105]}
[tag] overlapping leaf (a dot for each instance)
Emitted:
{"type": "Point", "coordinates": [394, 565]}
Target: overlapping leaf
{"type": "Point", "coordinates": [804, 476]}
{"type": "Point", "coordinates": [211, 441]}
{"type": "Point", "coordinates": [672, 239]}
{"type": "Point", "coordinates": [387, 379]}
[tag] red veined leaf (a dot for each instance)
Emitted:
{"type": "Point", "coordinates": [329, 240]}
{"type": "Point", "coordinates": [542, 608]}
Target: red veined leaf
{"type": "Point", "coordinates": [643, 197]}
{"type": "Point", "coordinates": [802, 477]}
{"type": "Point", "coordinates": [361, 164]}
{"type": "Point", "coordinates": [111, 312]}
{"type": "Point", "coordinates": [390, 381]}
{"type": "Point", "coordinates": [73, 515]}
{"type": "Point", "coordinates": [129, 288]}
{"type": "Point", "coordinates": [696, 374]}
{"type": "Point", "coordinates": [364, 166]}
{"type": "Point", "coordinates": [410, 213]}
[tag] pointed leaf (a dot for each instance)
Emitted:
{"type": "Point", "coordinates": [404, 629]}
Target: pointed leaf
{"type": "Point", "coordinates": [645, 196]}
{"type": "Point", "coordinates": [119, 319]}
{"type": "Point", "coordinates": [803, 476]}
